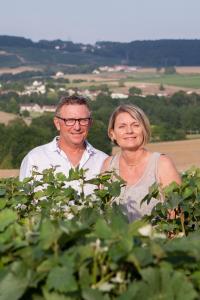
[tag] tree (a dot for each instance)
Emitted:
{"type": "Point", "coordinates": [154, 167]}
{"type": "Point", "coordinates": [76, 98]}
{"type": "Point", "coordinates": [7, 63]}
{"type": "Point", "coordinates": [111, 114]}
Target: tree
{"type": "Point", "coordinates": [161, 87]}
{"type": "Point", "coordinates": [25, 113]}
{"type": "Point", "coordinates": [170, 70]}
{"type": "Point", "coordinates": [135, 91]}
{"type": "Point", "coordinates": [98, 136]}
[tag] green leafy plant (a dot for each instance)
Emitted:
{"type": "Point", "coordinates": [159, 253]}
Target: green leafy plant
{"type": "Point", "coordinates": [91, 251]}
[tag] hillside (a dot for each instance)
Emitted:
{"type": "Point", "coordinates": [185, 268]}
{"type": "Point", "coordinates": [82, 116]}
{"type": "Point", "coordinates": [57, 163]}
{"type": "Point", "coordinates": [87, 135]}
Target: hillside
{"type": "Point", "coordinates": [18, 51]}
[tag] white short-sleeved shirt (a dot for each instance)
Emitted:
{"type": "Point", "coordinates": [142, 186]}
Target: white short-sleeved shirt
{"type": "Point", "coordinates": [50, 155]}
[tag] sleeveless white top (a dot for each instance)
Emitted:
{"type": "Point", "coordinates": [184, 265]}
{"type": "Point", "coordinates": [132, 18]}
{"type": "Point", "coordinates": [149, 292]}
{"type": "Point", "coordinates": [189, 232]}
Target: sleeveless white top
{"type": "Point", "coordinates": [131, 195]}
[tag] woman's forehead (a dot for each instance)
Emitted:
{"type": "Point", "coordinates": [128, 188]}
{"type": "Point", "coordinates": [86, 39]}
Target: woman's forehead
{"type": "Point", "coordinates": [125, 116]}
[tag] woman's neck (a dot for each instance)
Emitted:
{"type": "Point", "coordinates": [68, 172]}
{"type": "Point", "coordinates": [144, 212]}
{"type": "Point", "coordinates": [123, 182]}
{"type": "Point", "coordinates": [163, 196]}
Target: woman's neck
{"type": "Point", "coordinates": [133, 158]}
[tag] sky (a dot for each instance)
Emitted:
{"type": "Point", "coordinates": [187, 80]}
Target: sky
{"type": "Point", "coordinates": [89, 21]}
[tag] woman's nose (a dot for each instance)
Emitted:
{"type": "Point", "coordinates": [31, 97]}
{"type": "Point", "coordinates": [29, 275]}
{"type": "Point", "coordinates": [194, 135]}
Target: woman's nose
{"type": "Point", "coordinates": [129, 129]}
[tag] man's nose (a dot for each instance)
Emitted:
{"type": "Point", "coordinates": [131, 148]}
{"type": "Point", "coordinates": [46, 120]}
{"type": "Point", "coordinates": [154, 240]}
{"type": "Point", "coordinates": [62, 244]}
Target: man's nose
{"type": "Point", "coordinates": [77, 125]}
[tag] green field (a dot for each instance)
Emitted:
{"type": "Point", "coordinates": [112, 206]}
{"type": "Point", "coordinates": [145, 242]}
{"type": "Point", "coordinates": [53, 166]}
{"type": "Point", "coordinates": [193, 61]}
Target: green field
{"type": "Point", "coordinates": [186, 81]}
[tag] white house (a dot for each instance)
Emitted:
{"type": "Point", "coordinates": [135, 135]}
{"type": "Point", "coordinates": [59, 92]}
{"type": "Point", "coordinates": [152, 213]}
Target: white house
{"type": "Point", "coordinates": [34, 107]}
{"type": "Point", "coordinates": [118, 96]}
{"type": "Point", "coordinates": [30, 107]}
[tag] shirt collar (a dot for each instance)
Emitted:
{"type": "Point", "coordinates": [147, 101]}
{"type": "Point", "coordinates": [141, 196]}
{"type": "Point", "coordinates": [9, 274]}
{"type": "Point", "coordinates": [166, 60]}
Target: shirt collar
{"type": "Point", "coordinates": [53, 146]}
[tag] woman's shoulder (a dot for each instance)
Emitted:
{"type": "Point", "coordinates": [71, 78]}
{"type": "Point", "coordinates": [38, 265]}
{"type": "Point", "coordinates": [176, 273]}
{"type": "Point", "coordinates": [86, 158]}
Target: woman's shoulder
{"type": "Point", "coordinates": [106, 164]}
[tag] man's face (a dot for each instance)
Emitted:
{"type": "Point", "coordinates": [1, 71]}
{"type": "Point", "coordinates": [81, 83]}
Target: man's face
{"type": "Point", "coordinates": [72, 135]}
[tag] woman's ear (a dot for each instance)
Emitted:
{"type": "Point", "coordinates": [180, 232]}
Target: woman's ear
{"type": "Point", "coordinates": [112, 135]}
{"type": "Point", "coordinates": [56, 123]}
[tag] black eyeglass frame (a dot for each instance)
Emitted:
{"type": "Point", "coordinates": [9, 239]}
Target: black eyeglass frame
{"type": "Point", "coordinates": [75, 120]}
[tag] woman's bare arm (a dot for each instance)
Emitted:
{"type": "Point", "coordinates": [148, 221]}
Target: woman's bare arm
{"type": "Point", "coordinates": [167, 172]}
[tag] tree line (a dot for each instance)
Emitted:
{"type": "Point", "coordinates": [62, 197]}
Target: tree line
{"type": "Point", "coordinates": [152, 53]}
{"type": "Point", "coordinates": [171, 119]}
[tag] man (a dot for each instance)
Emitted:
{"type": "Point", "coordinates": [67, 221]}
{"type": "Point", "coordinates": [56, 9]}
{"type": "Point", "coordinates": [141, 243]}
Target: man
{"type": "Point", "coordinates": [70, 149]}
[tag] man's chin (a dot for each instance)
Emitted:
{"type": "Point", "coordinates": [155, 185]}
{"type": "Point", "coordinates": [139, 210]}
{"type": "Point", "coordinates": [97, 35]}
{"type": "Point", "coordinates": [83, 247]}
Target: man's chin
{"type": "Point", "coordinates": [78, 142]}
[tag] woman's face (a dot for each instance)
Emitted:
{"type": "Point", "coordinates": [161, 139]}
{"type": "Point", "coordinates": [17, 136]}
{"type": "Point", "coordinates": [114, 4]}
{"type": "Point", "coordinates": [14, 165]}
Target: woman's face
{"type": "Point", "coordinates": [127, 132]}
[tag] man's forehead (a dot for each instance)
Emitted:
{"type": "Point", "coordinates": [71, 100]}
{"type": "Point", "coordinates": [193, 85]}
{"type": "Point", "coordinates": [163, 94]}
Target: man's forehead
{"type": "Point", "coordinates": [75, 109]}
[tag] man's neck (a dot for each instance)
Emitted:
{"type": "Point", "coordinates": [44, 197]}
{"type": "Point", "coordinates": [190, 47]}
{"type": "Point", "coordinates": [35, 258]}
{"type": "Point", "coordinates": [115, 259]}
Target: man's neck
{"type": "Point", "coordinates": [74, 152]}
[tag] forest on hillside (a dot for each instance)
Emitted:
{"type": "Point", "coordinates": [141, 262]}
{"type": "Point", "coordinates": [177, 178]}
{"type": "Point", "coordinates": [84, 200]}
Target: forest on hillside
{"type": "Point", "coordinates": [18, 51]}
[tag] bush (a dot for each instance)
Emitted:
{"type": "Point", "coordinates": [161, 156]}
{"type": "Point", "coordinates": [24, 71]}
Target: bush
{"type": "Point", "coordinates": [58, 244]}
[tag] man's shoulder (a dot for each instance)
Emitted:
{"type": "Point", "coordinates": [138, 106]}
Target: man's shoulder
{"type": "Point", "coordinates": [42, 149]}
{"type": "Point", "coordinates": [101, 153]}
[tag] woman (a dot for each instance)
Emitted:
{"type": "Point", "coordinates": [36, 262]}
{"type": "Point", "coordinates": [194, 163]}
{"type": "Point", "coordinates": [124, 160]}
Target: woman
{"type": "Point", "coordinates": [129, 128]}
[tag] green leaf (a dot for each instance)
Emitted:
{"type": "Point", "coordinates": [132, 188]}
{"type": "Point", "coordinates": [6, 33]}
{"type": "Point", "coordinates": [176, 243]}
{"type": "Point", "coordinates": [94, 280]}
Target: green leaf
{"type": "Point", "coordinates": [84, 277]}
{"type": "Point", "coordinates": [171, 187]}
{"type": "Point", "coordinates": [49, 234]}
{"type": "Point", "coordinates": [196, 278]}
{"type": "Point", "coordinates": [62, 280]}
{"type": "Point", "coordinates": [187, 193]}
{"type": "Point", "coordinates": [114, 189]}
{"type": "Point", "coordinates": [12, 284]}
{"type": "Point", "coordinates": [54, 296]}
{"type": "Point", "coordinates": [2, 192]}
{"type": "Point", "coordinates": [120, 249]}
{"type": "Point", "coordinates": [143, 255]}
{"type": "Point", "coordinates": [46, 265]}
{"type": "Point", "coordinates": [102, 230]}
{"type": "Point", "coordinates": [90, 294]}
{"type": "Point", "coordinates": [7, 217]}
{"type": "Point", "coordinates": [131, 292]}
{"type": "Point", "coordinates": [164, 284]}
{"type": "Point", "coordinates": [3, 203]}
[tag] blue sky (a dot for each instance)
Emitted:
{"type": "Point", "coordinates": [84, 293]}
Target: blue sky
{"type": "Point", "coordinates": [88, 21]}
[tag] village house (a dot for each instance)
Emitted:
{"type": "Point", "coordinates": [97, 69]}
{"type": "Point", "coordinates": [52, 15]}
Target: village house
{"type": "Point", "coordinates": [34, 107]}
{"type": "Point", "coordinates": [117, 68]}
{"type": "Point", "coordinates": [37, 87]}
{"type": "Point", "coordinates": [59, 74]}
{"type": "Point", "coordinates": [118, 96]}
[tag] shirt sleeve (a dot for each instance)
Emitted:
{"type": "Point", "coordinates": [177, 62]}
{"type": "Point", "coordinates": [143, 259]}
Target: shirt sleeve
{"type": "Point", "coordinates": [25, 168]}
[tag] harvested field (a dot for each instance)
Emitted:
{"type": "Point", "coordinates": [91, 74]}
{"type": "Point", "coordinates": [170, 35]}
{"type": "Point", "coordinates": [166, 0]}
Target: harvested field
{"type": "Point", "coordinates": [185, 154]}
{"type": "Point", "coordinates": [19, 70]}
{"type": "Point", "coordinates": [9, 173]}
{"type": "Point", "coordinates": [5, 117]}
{"type": "Point", "coordinates": [188, 70]}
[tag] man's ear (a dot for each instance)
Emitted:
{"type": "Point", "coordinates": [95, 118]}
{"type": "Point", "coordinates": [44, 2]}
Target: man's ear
{"type": "Point", "coordinates": [56, 123]}
{"type": "Point", "coordinates": [91, 122]}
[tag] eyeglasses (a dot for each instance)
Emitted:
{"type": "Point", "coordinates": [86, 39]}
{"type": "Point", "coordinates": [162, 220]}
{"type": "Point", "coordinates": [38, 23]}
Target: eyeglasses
{"type": "Point", "coordinates": [72, 122]}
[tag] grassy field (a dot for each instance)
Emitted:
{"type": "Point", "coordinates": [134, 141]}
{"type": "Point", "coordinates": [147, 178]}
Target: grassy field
{"type": "Point", "coordinates": [148, 79]}
{"type": "Point", "coordinates": [187, 81]}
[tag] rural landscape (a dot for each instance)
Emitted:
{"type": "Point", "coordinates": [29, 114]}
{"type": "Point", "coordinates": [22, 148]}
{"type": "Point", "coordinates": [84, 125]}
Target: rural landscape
{"type": "Point", "coordinates": [60, 244]}
{"type": "Point", "coordinates": [28, 93]}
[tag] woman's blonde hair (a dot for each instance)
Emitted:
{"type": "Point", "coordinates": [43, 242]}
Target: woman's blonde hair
{"type": "Point", "coordinates": [137, 113]}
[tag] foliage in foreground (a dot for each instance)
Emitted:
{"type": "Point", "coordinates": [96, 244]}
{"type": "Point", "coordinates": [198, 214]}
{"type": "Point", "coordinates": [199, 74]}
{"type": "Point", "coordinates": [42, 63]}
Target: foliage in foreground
{"type": "Point", "coordinates": [57, 244]}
